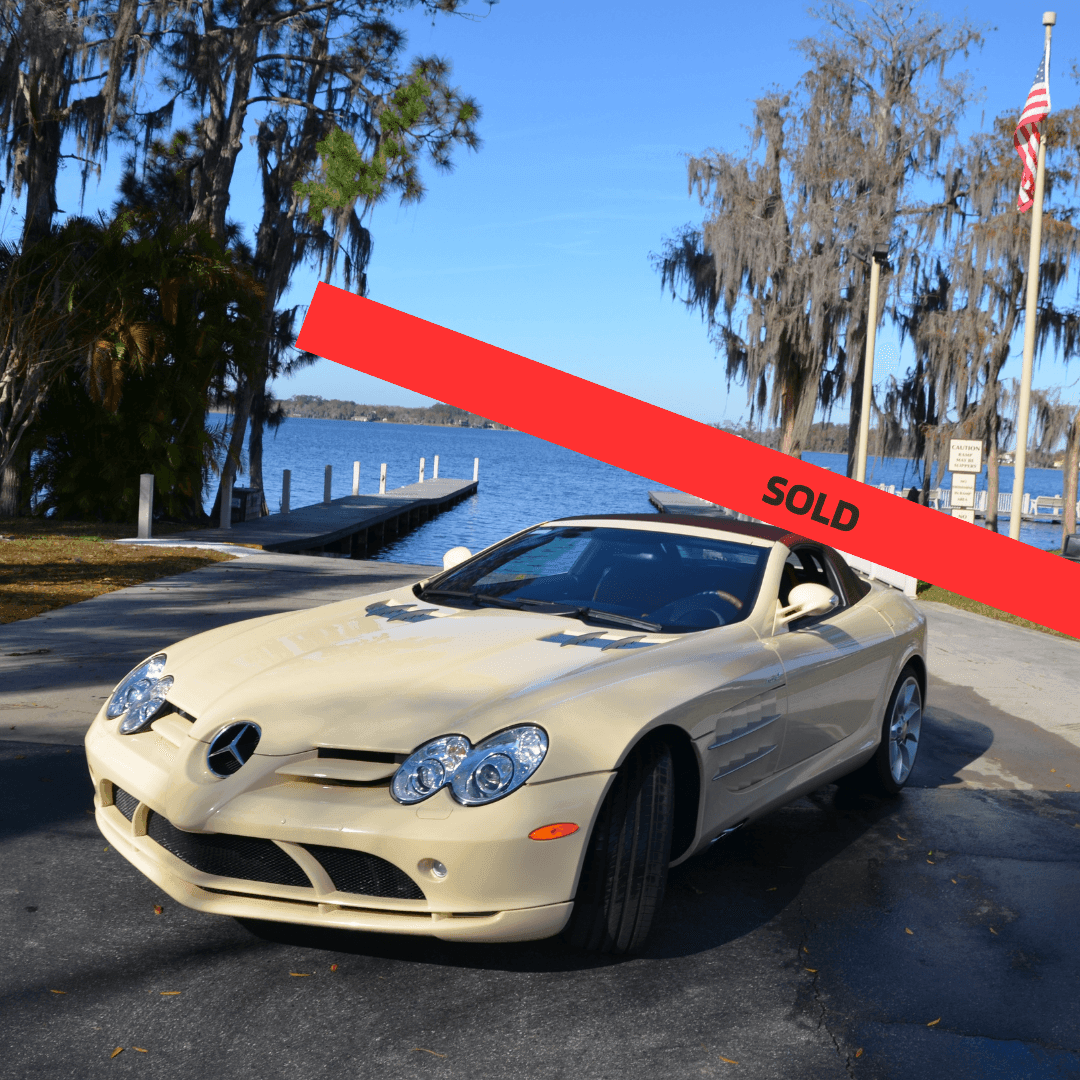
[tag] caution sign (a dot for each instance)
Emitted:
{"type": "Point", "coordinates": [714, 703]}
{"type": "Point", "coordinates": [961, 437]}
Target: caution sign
{"type": "Point", "coordinates": [965, 455]}
{"type": "Point", "coordinates": [683, 454]}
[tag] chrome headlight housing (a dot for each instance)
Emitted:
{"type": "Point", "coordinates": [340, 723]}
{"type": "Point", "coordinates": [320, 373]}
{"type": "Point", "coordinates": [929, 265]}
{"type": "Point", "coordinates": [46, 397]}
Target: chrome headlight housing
{"type": "Point", "coordinates": [140, 695]}
{"type": "Point", "coordinates": [475, 775]}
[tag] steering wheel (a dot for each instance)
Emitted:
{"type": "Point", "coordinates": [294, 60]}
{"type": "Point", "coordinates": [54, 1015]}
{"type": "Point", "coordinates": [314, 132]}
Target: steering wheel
{"type": "Point", "coordinates": [722, 606]}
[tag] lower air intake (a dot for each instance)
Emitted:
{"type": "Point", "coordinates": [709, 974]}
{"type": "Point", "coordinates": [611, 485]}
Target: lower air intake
{"type": "Point", "coordinates": [124, 802]}
{"type": "Point", "coordinates": [359, 872]}
{"type": "Point", "coordinates": [250, 858]}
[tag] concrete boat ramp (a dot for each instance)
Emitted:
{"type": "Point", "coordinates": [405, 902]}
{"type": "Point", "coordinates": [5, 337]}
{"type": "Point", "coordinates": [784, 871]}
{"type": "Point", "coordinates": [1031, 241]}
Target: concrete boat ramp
{"type": "Point", "coordinates": [350, 526]}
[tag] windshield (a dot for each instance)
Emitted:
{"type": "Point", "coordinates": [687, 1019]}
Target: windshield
{"type": "Point", "coordinates": [628, 577]}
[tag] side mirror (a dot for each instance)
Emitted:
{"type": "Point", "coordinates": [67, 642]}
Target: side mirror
{"type": "Point", "coordinates": [807, 599]}
{"type": "Point", "coordinates": [454, 556]}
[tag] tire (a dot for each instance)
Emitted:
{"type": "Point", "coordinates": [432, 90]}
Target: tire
{"type": "Point", "coordinates": [889, 769]}
{"type": "Point", "coordinates": [626, 864]}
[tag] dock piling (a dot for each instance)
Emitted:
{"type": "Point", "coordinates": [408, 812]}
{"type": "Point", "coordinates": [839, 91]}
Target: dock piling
{"type": "Point", "coordinates": [286, 485]}
{"type": "Point", "coordinates": [476, 469]}
{"type": "Point", "coordinates": [356, 477]}
{"type": "Point", "coordinates": [327, 477]}
{"type": "Point", "coordinates": [382, 478]}
{"type": "Point", "coordinates": [146, 504]}
{"type": "Point", "coordinates": [421, 480]}
{"type": "Point", "coordinates": [435, 470]}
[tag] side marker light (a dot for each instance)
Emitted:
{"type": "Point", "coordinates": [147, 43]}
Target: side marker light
{"type": "Point", "coordinates": [553, 832]}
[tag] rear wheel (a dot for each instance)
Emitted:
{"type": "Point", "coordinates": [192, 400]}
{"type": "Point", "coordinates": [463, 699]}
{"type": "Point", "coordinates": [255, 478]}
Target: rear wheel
{"type": "Point", "coordinates": [888, 770]}
{"type": "Point", "coordinates": [626, 865]}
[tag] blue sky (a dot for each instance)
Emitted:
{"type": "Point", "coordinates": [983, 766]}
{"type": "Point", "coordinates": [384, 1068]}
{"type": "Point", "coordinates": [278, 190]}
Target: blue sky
{"type": "Point", "coordinates": [540, 242]}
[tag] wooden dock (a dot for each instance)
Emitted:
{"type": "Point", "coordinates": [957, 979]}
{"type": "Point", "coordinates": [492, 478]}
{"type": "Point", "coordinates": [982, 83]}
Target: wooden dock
{"type": "Point", "coordinates": [678, 502]}
{"type": "Point", "coordinates": [352, 526]}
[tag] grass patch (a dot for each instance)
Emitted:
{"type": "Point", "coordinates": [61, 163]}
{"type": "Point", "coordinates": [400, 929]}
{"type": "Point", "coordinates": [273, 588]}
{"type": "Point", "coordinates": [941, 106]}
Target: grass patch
{"type": "Point", "coordinates": [46, 565]}
{"type": "Point", "coordinates": [938, 595]}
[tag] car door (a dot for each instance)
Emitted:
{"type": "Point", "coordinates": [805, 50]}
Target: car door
{"type": "Point", "coordinates": [834, 665]}
{"type": "Point", "coordinates": [742, 749]}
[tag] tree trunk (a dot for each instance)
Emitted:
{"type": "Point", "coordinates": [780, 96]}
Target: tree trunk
{"type": "Point", "coordinates": [1069, 478]}
{"type": "Point", "coordinates": [797, 406]}
{"type": "Point", "coordinates": [244, 393]}
{"type": "Point", "coordinates": [42, 164]}
{"type": "Point", "coordinates": [223, 126]}
{"type": "Point", "coordinates": [15, 486]}
{"type": "Point", "coordinates": [993, 426]}
{"type": "Point", "coordinates": [926, 442]}
{"type": "Point", "coordinates": [255, 439]}
{"type": "Point", "coordinates": [9, 491]}
{"type": "Point", "coordinates": [855, 415]}
{"type": "Point", "coordinates": [40, 125]}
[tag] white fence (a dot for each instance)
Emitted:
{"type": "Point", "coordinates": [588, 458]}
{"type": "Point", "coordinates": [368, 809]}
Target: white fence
{"type": "Point", "coordinates": [940, 499]}
{"type": "Point", "coordinates": [876, 572]}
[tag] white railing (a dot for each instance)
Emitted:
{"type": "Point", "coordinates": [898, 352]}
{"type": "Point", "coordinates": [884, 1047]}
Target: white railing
{"type": "Point", "coordinates": [941, 499]}
{"type": "Point", "coordinates": [876, 572]}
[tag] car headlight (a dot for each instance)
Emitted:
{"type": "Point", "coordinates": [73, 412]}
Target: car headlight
{"type": "Point", "coordinates": [475, 775]}
{"type": "Point", "coordinates": [140, 695]}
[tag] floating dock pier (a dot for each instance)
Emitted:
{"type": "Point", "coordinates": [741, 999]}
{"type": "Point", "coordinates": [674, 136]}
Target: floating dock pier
{"type": "Point", "coordinates": [678, 502]}
{"type": "Point", "coordinates": [350, 526]}
{"type": "Point", "coordinates": [1034, 507]}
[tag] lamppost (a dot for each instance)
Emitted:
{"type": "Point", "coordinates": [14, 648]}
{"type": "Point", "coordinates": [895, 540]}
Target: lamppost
{"type": "Point", "coordinates": [879, 255]}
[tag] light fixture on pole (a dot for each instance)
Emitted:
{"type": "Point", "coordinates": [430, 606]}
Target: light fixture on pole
{"type": "Point", "coordinates": [879, 255]}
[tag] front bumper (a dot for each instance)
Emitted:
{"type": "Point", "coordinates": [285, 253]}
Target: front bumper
{"type": "Point", "coordinates": [499, 885]}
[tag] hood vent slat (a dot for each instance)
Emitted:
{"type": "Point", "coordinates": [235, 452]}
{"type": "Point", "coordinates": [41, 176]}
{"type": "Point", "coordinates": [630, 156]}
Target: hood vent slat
{"type": "Point", "coordinates": [321, 768]}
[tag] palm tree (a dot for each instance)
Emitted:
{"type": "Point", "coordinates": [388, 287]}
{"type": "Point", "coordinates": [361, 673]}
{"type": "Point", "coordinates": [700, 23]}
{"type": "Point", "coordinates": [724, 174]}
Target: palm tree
{"type": "Point", "coordinates": [171, 317]}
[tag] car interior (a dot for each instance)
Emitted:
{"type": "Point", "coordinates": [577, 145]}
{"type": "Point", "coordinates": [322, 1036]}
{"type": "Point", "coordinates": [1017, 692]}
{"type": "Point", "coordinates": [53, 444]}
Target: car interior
{"type": "Point", "coordinates": [678, 581]}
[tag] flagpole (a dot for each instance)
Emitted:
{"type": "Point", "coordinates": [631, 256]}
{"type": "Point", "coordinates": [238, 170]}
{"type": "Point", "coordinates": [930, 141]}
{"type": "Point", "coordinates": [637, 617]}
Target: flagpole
{"type": "Point", "coordinates": [1034, 254]}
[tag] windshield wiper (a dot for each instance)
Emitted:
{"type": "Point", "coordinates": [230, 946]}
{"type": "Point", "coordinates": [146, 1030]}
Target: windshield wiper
{"type": "Point", "coordinates": [555, 607]}
{"type": "Point", "coordinates": [476, 597]}
{"type": "Point", "coordinates": [619, 620]}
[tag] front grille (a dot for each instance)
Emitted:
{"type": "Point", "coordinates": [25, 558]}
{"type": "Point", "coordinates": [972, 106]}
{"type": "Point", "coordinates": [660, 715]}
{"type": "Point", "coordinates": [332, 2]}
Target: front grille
{"type": "Point", "coordinates": [359, 872]}
{"type": "Point", "coordinates": [250, 858]}
{"type": "Point", "coordinates": [124, 802]}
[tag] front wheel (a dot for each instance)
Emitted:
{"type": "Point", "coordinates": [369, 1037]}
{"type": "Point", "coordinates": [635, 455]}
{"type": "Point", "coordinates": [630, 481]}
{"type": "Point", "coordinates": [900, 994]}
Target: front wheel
{"type": "Point", "coordinates": [889, 769]}
{"type": "Point", "coordinates": [626, 864]}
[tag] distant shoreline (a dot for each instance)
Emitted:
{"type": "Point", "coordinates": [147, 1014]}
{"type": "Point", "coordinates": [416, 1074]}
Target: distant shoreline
{"type": "Point", "coordinates": [315, 407]}
{"type": "Point", "coordinates": [404, 423]}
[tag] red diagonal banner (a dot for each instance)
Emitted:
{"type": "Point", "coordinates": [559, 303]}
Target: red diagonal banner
{"type": "Point", "coordinates": [692, 457]}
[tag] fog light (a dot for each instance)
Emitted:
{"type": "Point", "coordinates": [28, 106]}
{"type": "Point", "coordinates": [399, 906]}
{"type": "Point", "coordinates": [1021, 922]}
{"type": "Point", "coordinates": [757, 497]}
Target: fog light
{"type": "Point", "coordinates": [433, 867]}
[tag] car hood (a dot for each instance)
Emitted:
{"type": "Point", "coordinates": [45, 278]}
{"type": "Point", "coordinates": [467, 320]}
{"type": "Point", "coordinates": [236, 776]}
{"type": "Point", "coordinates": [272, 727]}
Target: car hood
{"type": "Point", "coordinates": [347, 675]}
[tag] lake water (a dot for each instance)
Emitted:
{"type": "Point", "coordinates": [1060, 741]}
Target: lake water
{"type": "Point", "coordinates": [523, 480]}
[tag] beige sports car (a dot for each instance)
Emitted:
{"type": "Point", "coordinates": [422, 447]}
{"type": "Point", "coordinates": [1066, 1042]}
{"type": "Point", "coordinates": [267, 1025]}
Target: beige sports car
{"type": "Point", "coordinates": [517, 747]}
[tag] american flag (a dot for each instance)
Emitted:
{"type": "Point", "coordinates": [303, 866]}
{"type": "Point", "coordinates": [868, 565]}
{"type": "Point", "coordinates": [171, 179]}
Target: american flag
{"type": "Point", "coordinates": [1026, 137]}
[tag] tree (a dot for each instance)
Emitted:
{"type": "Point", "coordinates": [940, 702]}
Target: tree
{"type": "Point", "coordinates": [964, 338]}
{"type": "Point", "coordinates": [58, 310]}
{"type": "Point", "coordinates": [315, 65]}
{"type": "Point", "coordinates": [401, 117]}
{"type": "Point", "coordinates": [66, 68]}
{"type": "Point", "coordinates": [195, 306]}
{"type": "Point", "coordinates": [1070, 477]}
{"type": "Point", "coordinates": [772, 269]}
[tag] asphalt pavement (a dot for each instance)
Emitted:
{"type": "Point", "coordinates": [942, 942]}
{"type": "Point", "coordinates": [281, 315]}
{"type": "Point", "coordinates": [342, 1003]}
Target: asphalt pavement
{"type": "Point", "coordinates": [934, 935]}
